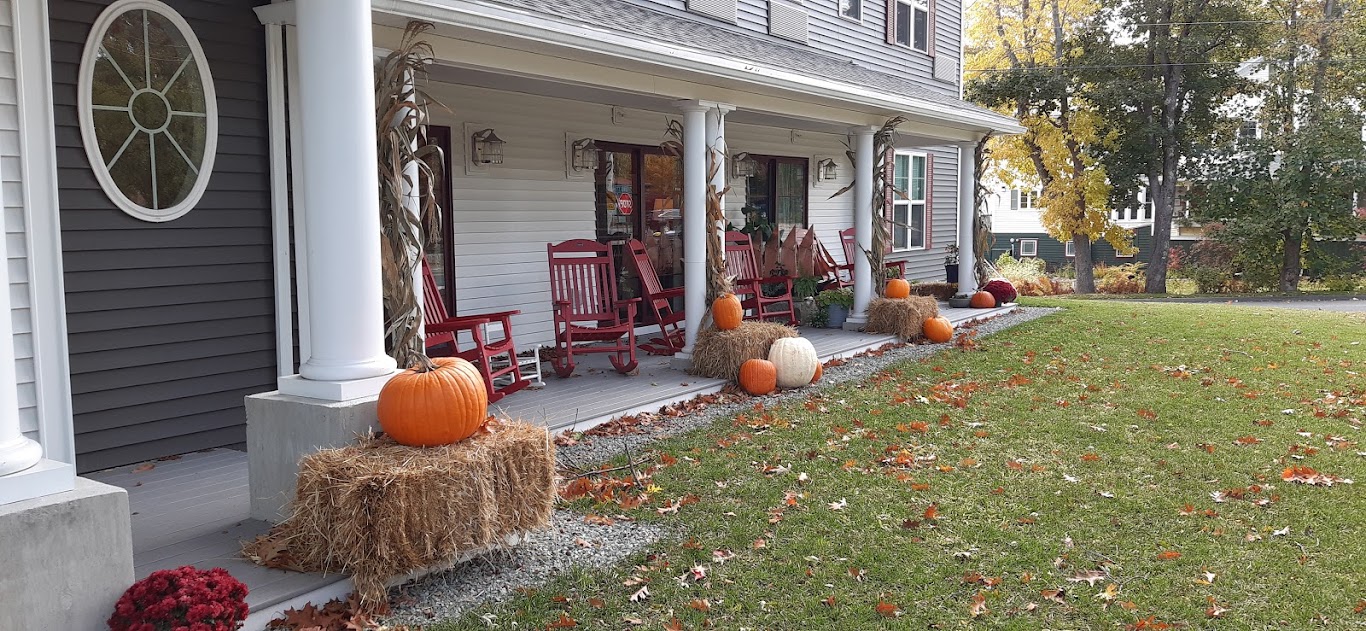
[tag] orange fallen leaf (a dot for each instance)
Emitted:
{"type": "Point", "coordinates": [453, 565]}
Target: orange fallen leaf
{"type": "Point", "coordinates": [565, 622]}
{"type": "Point", "coordinates": [1168, 555]}
{"type": "Point", "coordinates": [932, 512]}
{"type": "Point", "coordinates": [885, 609]}
{"type": "Point", "coordinates": [979, 606]}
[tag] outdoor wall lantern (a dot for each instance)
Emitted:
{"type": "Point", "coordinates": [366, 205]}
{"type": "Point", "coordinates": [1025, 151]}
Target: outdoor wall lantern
{"type": "Point", "coordinates": [486, 147]}
{"type": "Point", "coordinates": [585, 153]}
{"type": "Point", "coordinates": [827, 170]}
{"type": "Point", "coordinates": [743, 166]}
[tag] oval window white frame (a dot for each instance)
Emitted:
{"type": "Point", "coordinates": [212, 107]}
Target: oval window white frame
{"type": "Point", "coordinates": [85, 110]}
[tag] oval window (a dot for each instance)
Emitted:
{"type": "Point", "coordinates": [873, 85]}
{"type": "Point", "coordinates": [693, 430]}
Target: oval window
{"type": "Point", "coordinates": [149, 118]}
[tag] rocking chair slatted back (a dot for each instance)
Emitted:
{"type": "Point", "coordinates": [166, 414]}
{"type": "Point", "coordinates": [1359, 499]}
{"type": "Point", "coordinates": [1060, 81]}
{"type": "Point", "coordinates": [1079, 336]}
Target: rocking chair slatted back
{"type": "Point", "coordinates": [583, 278]}
{"type": "Point", "coordinates": [659, 301]}
{"type": "Point", "coordinates": [645, 269]}
{"type": "Point", "coordinates": [740, 260]}
{"type": "Point", "coordinates": [434, 308]}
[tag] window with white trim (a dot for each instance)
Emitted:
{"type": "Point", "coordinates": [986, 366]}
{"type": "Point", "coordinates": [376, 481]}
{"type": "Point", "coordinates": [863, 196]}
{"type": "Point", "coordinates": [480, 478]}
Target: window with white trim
{"type": "Point", "coordinates": [1029, 247]}
{"type": "Point", "coordinates": [148, 114]}
{"type": "Point", "coordinates": [1025, 200]}
{"type": "Point", "coordinates": [912, 21]}
{"type": "Point", "coordinates": [851, 9]}
{"type": "Point", "coordinates": [908, 200]}
{"type": "Point", "coordinates": [1069, 249]}
{"type": "Point", "coordinates": [1121, 255]}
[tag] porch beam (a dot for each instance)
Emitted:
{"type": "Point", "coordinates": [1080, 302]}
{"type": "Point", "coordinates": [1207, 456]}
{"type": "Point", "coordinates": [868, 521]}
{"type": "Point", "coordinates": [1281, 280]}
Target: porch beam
{"type": "Point", "coordinates": [340, 188]}
{"type": "Point", "coordinates": [863, 225]}
{"type": "Point", "coordinates": [967, 187]}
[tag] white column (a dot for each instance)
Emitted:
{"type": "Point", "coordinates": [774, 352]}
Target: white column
{"type": "Point", "coordinates": [17, 453]}
{"type": "Point", "coordinates": [863, 224]}
{"type": "Point", "coordinates": [967, 186]}
{"type": "Point", "coordinates": [716, 139]}
{"type": "Point", "coordinates": [694, 218]}
{"type": "Point", "coordinates": [341, 189]}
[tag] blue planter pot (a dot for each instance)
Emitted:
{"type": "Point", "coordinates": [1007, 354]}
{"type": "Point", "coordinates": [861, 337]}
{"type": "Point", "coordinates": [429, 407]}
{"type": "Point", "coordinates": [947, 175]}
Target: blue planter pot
{"type": "Point", "coordinates": [836, 315]}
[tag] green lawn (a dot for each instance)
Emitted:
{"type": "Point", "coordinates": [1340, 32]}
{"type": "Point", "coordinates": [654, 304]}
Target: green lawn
{"type": "Point", "coordinates": [1109, 466]}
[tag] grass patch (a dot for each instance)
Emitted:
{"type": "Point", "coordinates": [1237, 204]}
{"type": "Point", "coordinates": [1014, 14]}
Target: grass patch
{"type": "Point", "coordinates": [1111, 465]}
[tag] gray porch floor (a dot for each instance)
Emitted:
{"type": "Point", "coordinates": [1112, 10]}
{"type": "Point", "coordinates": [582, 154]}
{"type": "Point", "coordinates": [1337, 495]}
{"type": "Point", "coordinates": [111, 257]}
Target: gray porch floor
{"type": "Point", "coordinates": [193, 510]}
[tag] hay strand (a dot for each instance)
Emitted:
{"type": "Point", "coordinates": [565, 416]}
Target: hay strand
{"type": "Point", "coordinates": [718, 354]}
{"type": "Point", "coordinates": [903, 317]}
{"type": "Point", "coordinates": [379, 510]}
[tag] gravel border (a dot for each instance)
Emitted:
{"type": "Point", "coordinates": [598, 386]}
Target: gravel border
{"type": "Point", "coordinates": [571, 543]}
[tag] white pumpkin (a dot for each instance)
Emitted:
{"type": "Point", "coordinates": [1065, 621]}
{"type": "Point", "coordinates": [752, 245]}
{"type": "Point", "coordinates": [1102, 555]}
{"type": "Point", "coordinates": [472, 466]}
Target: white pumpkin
{"type": "Point", "coordinates": [795, 360]}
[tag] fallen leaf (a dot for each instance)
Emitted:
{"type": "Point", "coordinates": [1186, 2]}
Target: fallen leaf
{"type": "Point", "coordinates": [979, 606]}
{"type": "Point", "coordinates": [886, 609]}
{"type": "Point", "coordinates": [700, 604]}
{"type": "Point", "coordinates": [1090, 577]}
{"type": "Point", "coordinates": [1168, 555]}
{"type": "Point", "coordinates": [1056, 595]}
{"type": "Point", "coordinates": [565, 622]}
{"type": "Point", "coordinates": [641, 594]}
{"type": "Point", "coordinates": [838, 505]}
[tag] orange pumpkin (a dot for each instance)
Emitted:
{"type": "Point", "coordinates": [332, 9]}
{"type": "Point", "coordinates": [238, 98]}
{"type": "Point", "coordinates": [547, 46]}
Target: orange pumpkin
{"type": "Point", "coordinates": [898, 288]}
{"type": "Point", "coordinates": [820, 370]}
{"type": "Point", "coordinates": [983, 300]}
{"type": "Point", "coordinates": [758, 376]}
{"type": "Point", "coordinates": [727, 312]}
{"type": "Point", "coordinates": [435, 407]}
{"type": "Point", "coordinates": [938, 330]}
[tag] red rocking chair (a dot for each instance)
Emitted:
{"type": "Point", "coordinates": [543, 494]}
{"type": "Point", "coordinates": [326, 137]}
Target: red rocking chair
{"type": "Point", "coordinates": [749, 283]}
{"type": "Point", "coordinates": [851, 251]}
{"type": "Point", "coordinates": [583, 290]}
{"type": "Point", "coordinates": [443, 330]}
{"type": "Point", "coordinates": [659, 301]}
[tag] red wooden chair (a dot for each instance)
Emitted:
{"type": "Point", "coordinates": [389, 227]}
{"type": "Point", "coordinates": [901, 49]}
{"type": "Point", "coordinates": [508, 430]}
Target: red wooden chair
{"type": "Point", "coordinates": [743, 266]}
{"type": "Point", "coordinates": [851, 251]}
{"type": "Point", "coordinates": [583, 290]}
{"type": "Point", "coordinates": [659, 300]}
{"type": "Point", "coordinates": [443, 337]}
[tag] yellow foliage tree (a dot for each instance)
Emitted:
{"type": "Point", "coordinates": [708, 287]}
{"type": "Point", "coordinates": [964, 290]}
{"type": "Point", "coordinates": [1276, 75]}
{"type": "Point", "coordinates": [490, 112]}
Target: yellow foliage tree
{"type": "Point", "coordinates": [1018, 55]}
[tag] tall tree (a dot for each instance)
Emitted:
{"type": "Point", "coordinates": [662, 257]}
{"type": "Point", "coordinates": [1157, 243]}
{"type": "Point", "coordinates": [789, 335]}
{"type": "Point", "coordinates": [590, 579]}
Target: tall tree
{"type": "Point", "coordinates": [1020, 62]}
{"type": "Point", "coordinates": [1159, 71]}
{"type": "Point", "coordinates": [1295, 184]}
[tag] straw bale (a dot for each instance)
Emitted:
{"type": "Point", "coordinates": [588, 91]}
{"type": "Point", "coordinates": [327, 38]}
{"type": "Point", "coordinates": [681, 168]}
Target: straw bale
{"type": "Point", "coordinates": [379, 510]}
{"type": "Point", "coordinates": [903, 317]}
{"type": "Point", "coordinates": [718, 354]}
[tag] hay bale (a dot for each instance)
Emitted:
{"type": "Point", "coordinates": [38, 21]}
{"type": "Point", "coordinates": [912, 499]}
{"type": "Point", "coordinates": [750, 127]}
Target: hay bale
{"type": "Point", "coordinates": [903, 317]}
{"type": "Point", "coordinates": [718, 354]}
{"type": "Point", "coordinates": [379, 510]}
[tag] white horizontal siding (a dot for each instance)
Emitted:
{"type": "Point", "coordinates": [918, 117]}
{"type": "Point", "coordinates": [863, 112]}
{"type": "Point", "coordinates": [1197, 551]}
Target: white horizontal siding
{"type": "Point", "coordinates": [12, 200]}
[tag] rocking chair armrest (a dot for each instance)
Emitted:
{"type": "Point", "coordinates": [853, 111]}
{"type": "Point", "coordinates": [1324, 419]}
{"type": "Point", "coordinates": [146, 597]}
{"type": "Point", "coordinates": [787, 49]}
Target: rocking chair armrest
{"type": "Point", "coordinates": [672, 292]}
{"type": "Point", "coordinates": [497, 315]}
{"type": "Point", "coordinates": [455, 325]}
{"type": "Point", "coordinates": [773, 279]}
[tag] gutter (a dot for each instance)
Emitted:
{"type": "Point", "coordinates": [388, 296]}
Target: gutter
{"type": "Point", "coordinates": [504, 21]}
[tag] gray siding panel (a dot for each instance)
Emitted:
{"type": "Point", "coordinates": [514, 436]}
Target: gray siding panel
{"type": "Point", "coordinates": [170, 325]}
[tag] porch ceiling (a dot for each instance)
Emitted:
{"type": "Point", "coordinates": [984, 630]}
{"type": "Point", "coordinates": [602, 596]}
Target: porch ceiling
{"type": "Point", "coordinates": [500, 46]}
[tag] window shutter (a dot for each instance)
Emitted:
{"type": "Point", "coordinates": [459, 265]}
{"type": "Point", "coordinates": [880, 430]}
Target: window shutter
{"type": "Point", "coordinates": [929, 201]}
{"type": "Point", "coordinates": [929, 28]}
{"type": "Point", "coordinates": [891, 21]}
{"type": "Point", "coordinates": [1014, 199]}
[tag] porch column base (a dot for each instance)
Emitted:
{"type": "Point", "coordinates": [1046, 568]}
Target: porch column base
{"type": "Point", "coordinates": [281, 428]}
{"type": "Point", "coordinates": [67, 557]}
{"type": "Point", "coordinates": [300, 386]}
{"type": "Point", "coordinates": [682, 360]}
{"type": "Point", "coordinates": [856, 323]}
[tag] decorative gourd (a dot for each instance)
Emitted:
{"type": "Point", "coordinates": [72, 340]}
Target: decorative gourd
{"type": "Point", "coordinates": [820, 370]}
{"type": "Point", "coordinates": [795, 360]}
{"type": "Point", "coordinates": [727, 312]}
{"type": "Point", "coordinates": [898, 288]}
{"type": "Point", "coordinates": [758, 376]}
{"type": "Point", "coordinates": [938, 330]}
{"type": "Point", "coordinates": [436, 407]}
{"type": "Point", "coordinates": [983, 300]}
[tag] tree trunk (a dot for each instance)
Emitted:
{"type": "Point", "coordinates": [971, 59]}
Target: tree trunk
{"type": "Point", "coordinates": [1086, 273]}
{"type": "Point", "coordinates": [1291, 263]}
{"type": "Point", "coordinates": [1171, 162]}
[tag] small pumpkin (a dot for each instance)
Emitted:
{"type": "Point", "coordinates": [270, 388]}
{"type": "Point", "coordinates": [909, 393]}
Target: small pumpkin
{"type": "Point", "coordinates": [938, 329]}
{"type": "Point", "coordinates": [820, 370]}
{"type": "Point", "coordinates": [758, 376]}
{"type": "Point", "coordinates": [983, 300]}
{"type": "Point", "coordinates": [727, 312]}
{"type": "Point", "coordinates": [794, 359]}
{"type": "Point", "coordinates": [898, 288]}
{"type": "Point", "coordinates": [436, 407]}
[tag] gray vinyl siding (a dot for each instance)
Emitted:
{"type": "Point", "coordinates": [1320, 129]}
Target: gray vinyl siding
{"type": "Point", "coordinates": [12, 196]}
{"type": "Point", "coordinates": [1054, 253]}
{"type": "Point", "coordinates": [170, 325]}
{"type": "Point", "coordinates": [863, 43]}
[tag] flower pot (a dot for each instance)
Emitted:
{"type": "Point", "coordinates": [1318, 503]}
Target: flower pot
{"type": "Point", "coordinates": [960, 302]}
{"type": "Point", "coordinates": [806, 308]}
{"type": "Point", "coordinates": [837, 314]}
{"type": "Point", "coordinates": [950, 272]}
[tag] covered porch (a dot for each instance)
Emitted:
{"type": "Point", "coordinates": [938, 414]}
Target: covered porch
{"type": "Point", "coordinates": [196, 509]}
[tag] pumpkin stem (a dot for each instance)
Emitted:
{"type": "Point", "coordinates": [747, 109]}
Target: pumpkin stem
{"type": "Point", "coordinates": [420, 362]}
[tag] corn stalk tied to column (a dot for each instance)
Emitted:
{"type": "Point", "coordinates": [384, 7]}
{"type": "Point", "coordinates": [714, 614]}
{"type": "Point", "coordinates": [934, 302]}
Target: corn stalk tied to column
{"type": "Point", "coordinates": [718, 283]}
{"type": "Point", "coordinates": [405, 215]}
{"type": "Point", "coordinates": [884, 141]}
{"type": "Point", "coordinates": [982, 238]}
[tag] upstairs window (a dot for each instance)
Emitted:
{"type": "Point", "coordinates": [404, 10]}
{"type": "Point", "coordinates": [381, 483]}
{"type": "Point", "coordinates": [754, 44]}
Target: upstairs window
{"type": "Point", "coordinates": [147, 109]}
{"type": "Point", "coordinates": [1249, 130]}
{"type": "Point", "coordinates": [1023, 200]}
{"type": "Point", "coordinates": [852, 9]}
{"type": "Point", "coordinates": [912, 23]}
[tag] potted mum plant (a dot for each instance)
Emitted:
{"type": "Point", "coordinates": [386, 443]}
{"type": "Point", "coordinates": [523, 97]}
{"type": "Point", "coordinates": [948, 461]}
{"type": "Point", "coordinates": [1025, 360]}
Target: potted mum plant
{"type": "Point", "coordinates": [183, 598]}
{"type": "Point", "coordinates": [951, 263]}
{"type": "Point", "coordinates": [836, 303]}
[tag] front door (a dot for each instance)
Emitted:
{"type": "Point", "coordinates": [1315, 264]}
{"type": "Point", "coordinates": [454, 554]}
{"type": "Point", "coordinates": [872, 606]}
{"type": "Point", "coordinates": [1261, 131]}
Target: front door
{"type": "Point", "coordinates": [440, 247]}
{"type": "Point", "coordinates": [640, 196]}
